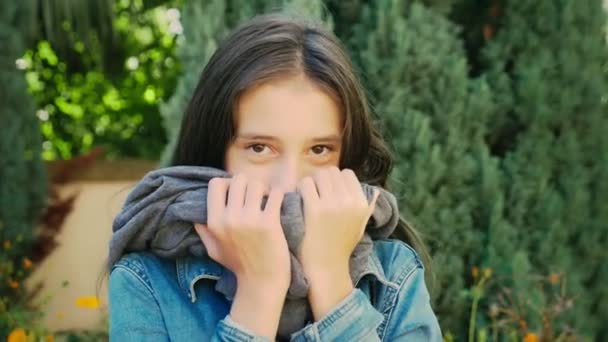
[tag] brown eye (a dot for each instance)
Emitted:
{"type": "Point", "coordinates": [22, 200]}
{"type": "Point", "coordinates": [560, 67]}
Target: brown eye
{"type": "Point", "coordinates": [257, 148]}
{"type": "Point", "coordinates": [318, 150]}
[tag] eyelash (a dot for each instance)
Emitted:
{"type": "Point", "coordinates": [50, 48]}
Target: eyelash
{"type": "Point", "coordinates": [327, 147]}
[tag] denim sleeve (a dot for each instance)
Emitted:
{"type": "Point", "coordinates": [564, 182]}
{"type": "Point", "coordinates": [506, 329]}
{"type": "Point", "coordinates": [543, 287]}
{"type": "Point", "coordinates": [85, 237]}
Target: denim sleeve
{"type": "Point", "coordinates": [229, 330]}
{"type": "Point", "coordinates": [409, 318]}
{"type": "Point", "coordinates": [352, 319]}
{"type": "Point", "coordinates": [134, 313]}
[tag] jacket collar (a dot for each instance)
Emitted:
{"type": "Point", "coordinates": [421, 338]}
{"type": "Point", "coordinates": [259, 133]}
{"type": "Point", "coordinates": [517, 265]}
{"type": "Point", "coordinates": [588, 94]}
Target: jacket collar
{"type": "Point", "coordinates": [191, 269]}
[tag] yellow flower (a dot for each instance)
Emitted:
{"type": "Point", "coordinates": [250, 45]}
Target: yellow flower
{"type": "Point", "coordinates": [27, 263]}
{"type": "Point", "coordinates": [17, 335]}
{"type": "Point", "coordinates": [7, 244]}
{"type": "Point", "coordinates": [88, 302]}
{"type": "Point", "coordinates": [530, 337]}
{"type": "Point", "coordinates": [487, 272]}
{"type": "Point", "coordinates": [494, 310]}
{"type": "Point", "coordinates": [13, 284]}
{"type": "Point", "coordinates": [475, 272]}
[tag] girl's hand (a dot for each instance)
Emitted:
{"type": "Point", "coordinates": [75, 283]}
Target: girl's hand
{"type": "Point", "coordinates": [250, 242]}
{"type": "Point", "coordinates": [336, 212]}
{"type": "Point", "coordinates": [241, 236]}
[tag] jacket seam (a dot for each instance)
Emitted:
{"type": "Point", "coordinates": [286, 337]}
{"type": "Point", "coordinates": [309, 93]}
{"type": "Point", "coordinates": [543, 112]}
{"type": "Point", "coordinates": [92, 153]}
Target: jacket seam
{"type": "Point", "coordinates": [400, 280]}
{"type": "Point", "coordinates": [180, 270]}
{"type": "Point", "coordinates": [143, 282]}
{"type": "Point", "coordinates": [407, 276]}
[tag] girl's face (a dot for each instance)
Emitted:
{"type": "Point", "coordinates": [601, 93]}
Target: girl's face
{"type": "Point", "coordinates": [284, 130]}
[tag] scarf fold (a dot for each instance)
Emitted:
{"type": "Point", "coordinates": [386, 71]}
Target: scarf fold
{"type": "Point", "coordinates": [158, 216]}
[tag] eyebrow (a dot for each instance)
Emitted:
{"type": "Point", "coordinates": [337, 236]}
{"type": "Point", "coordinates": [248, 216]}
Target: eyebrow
{"type": "Point", "coordinates": [333, 138]}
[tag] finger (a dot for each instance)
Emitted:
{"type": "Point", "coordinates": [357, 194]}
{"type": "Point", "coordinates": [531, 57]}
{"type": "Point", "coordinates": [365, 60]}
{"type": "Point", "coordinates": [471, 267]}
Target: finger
{"type": "Point", "coordinates": [236, 192]}
{"type": "Point", "coordinates": [307, 189]}
{"type": "Point", "coordinates": [338, 183]}
{"type": "Point", "coordinates": [216, 200]}
{"type": "Point", "coordinates": [273, 204]}
{"type": "Point", "coordinates": [353, 184]}
{"type": "Point", "coordinates": [202, 230]}
{"type": "Point", "coordinates": [253, 197]}
{"type": "Point", "coordinates": [323, 183]}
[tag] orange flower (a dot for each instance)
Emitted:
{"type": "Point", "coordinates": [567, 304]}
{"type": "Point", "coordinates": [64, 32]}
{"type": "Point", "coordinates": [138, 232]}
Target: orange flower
{"type": "Point", "coordinates": [17, 335]}
{"type": "Point", "coordinates": [554, 278]}
{"type": "Point", "coordinates": [49, 338]}
{"type": "Point", "coordinates": [488, 31]}
{"type": "Point", "coordinates": [27, 263]}
{"type": "Point", "coordinates": [88, 302]}
{"type": "Point", "coordinates": [475, 272]}
{"type": "Point", "coordinates": [530, 337]}
{"type": "Point", "coordinates": [7, 244]}
{"type": "Point", "coordinates": [13, 284]}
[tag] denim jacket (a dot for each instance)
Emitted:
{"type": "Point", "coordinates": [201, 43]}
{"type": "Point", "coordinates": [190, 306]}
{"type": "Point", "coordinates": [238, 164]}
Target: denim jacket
{"type": "Point", "coordinates": [157, 299]}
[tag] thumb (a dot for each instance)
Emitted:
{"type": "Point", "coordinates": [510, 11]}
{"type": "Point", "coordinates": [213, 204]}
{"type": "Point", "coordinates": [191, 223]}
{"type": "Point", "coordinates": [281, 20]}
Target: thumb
{"type": "Point", "coordinates": [209, 240]}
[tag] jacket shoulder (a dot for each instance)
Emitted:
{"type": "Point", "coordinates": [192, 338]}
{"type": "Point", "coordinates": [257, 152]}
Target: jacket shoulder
{"type": "Point", "coordinates": [397, 258]}
{"type": "Point", "coordinates": [144, 265]}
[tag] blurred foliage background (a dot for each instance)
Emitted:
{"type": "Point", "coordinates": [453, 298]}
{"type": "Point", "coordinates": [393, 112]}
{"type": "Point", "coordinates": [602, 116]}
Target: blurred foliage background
{"type": "Point", "coordinates": [89, 96]}
{"type": "Point", "coordinates": [495, 110]}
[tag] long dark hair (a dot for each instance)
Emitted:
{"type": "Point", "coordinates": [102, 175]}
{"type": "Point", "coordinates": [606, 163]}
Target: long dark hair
{"type": "Point", "coordinates": [276, 46]}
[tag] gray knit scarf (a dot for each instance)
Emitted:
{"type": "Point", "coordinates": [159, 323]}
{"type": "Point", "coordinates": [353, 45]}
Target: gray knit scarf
{"type": "Point", "coordinates": [159, 212]}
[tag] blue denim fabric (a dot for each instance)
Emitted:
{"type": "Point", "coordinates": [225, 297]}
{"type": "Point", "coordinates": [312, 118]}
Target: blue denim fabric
{"type": "Point", "coordinates": [156, 299]}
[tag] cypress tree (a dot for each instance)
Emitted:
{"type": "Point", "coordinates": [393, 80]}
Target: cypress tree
{"type": "Point", "coordinates": [434, 116]}
{"type": "Point", "coordinates": [546, 66]}
{"type": "Point", "coordinates": [23, 187]}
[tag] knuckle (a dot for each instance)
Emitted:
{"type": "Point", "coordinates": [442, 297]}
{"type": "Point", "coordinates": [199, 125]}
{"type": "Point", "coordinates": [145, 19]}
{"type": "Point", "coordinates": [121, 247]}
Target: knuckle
{"type": "Point", "coordinates": [307, 181]}
{"type": "Point", "coordinates": [275, 192]}
{"type": "Point", "coordinates": [213, 182]}
{"type": "Point", "coordinates": [359, 203]}
{"type": "Point", "coordinates": [317, 173]}
{"type": "Point", "coordinates": [230, 221]}
{"type": "Point", "coordinates": [250, 218]}
{"type": "Point", "coordinates": [239, 178]}
{"type": "Point", "coordinates": [312, 208]}
{"type": "Point", "coordinates": [266, 217]}
{"type": "Point", "coordinates": [254, 183]}
{"type": "Point", "coordinates": [212, 222]}
{"type": "Point", "coordinates": [217, 181]}
{"type": "Point", "coordinates": [349, 202]}
{"type": "Point", "coordinates": [362, 206]}
{"type": "Point", "coordinates": [349, 172]}
{"type": "Point", "coordinates": [213, 253]}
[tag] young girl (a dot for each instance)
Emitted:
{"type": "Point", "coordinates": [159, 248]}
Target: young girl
{"type": "Point", "coordinates": [279, 107]}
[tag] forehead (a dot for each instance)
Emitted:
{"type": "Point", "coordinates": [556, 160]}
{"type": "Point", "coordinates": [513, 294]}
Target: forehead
{"type": "Point", "coordinates": [288, 109]}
